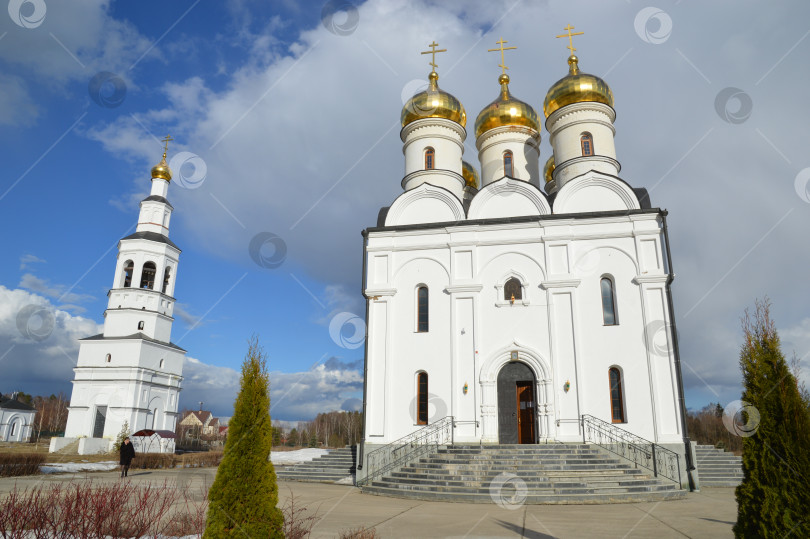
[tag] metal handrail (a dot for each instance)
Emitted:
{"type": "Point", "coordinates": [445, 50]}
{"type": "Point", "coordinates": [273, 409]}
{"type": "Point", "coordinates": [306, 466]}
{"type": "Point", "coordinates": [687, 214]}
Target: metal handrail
{"type": "Point", "coordinates": [636, 449]}
{"type": "Point", "coordinates": [408, 449]}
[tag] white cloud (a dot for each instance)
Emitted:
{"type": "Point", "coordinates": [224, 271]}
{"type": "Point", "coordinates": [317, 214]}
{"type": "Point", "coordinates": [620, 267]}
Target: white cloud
{"type": "Point", "coordinates": [332, 385]}
{"type": "Point", "coordinates": [27, 259]}
{"type": "Point", "coordinates": [38, 342]}
{"type": "Point", "coordinates": [61, 293]}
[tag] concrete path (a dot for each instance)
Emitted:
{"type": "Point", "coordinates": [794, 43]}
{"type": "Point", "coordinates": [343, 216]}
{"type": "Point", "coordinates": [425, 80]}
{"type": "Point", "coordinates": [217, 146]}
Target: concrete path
{"type": "Point", "coordinates": [709, 513]}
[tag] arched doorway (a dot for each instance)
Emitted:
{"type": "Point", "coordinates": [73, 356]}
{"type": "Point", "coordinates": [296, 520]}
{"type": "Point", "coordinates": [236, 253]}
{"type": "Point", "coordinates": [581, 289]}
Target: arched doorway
{"type": "Point", "coordinates": [517, 404]}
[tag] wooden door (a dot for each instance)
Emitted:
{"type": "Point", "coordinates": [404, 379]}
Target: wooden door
{"type": "Point", "coordinates": [525, 407]}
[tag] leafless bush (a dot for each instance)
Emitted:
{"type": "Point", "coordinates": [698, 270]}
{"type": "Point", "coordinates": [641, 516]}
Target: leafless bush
{"type": "Point", "coordinates": [152, 461]}
{"type": "Point", "coordinates": [359, 533]}
{"type": "Point", "coordinates": [16, 464]}
{"type": "Point", "coordinates": [297, 523]}
{"type": "Point", "coordinates": [82, 509]}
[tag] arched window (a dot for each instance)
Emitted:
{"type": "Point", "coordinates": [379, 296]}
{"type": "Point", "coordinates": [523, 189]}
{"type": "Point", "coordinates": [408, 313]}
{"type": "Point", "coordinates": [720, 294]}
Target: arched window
{"type": "Point", "coordinates": [148, 275]}
{"type": "Point", "coordinates": [508, 170]}
{"type": "Point", "coordinates": [109, 358]}
{"type": "Point", "coordinates": [616, 396]}
{"type": "Point", "coordinates": [161, 363]}
{"type": "Point", "coordinates": [586, 141]}
{"type": "Point", "coordinates": [422, 309]}
{"type": "Point", "coordinates": [512, 290]}
{"type": "Point", "coordinates": [129, 267]}
{"type": "Point", "coordinates": [166, 274]}
{"type": "Point", "coordinates": [13, 428]}
{"type": "Point", "coordinates": [140, 325]}
{"type": "Point", "coordinates": [422, 399]}
{"type": "Point", "coordinates": [430, 159]}
{"type": "Point", "coordinates": [608, 302]}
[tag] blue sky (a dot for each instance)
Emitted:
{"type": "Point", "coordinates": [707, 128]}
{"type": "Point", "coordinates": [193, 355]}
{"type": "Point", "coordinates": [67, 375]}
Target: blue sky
{"type": "Point", "coordinates": [296, 123]}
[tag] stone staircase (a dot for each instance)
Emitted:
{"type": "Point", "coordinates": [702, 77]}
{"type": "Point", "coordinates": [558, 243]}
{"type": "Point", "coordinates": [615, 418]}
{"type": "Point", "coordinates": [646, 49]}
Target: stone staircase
{"type": "Point", "coordinates": [534, 474]}
{"type": "Point", "coordinates": [336, 465]}
{"type": "Point", "coordinates": [717, 467]}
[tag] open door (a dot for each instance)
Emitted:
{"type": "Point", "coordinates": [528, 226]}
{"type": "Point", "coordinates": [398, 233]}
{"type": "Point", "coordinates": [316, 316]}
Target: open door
{"type": "Point", "coordinates": [525, 415]}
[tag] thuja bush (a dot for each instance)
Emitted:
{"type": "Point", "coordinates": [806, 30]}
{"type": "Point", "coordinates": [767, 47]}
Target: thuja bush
{"type": "Point", "coordinates": [244, 495]}
{"type": "Point", "coordinates": [16, 464]}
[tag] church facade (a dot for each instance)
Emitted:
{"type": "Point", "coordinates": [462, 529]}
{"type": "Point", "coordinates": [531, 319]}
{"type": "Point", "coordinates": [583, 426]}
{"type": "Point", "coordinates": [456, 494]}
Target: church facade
{"type": "Point", "coordinates": [132, 372]}
{"type": "Point", "coordinates": [517, 301]}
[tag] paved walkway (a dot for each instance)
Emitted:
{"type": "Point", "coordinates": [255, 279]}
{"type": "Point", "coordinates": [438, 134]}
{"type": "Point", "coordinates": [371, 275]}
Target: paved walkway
{"type": "Point", "coordinates": [709, 513]}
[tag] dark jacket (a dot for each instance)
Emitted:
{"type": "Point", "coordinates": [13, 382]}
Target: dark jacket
{"type": "Point", "coordinates": [127, 454]}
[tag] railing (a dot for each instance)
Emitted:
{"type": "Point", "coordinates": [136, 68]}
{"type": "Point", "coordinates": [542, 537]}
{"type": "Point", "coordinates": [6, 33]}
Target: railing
{"type": "Point", "coordinates": [637, 450]}
{"type": "Point", "coordinates": [408, 449]}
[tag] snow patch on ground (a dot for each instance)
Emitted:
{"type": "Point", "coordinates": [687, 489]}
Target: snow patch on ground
{"type": "Point", "coordinates": [75, 467]}
{"type": "Point", "coordinates": [296, 457]}
{"type": "Point", "coordinates": [345, 481]}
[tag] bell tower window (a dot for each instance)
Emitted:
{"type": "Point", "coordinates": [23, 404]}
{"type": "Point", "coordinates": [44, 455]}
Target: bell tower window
{"type": "Point", "coordinates": [166, 274]}
{"type": "Point", "coordinates": [508, 169]}
{"type": "Point", "coordinates": [586, 141]}
{"type": "Point", "coordinates": [608, 302]}
{"type": "Point", "coordinates": [129, 267]}
{"type": "Point", "coordinates": [148, 276]}
{"type": "Point", "coordinates": [430, 159]}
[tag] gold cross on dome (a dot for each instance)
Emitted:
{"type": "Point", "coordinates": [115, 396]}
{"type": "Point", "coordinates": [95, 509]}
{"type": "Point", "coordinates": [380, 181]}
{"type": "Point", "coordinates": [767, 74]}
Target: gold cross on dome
{"type": "Point", "coordinates": [433, 52]}
{"type": "Point", "coordinates": [570, 36]}
{"type": "Point", "coordinates": [502, 48]}
{"type": "Point", "coordinates": [165, 141]}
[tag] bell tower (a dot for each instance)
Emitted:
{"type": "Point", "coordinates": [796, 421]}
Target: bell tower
{"type": "Point", "coordinates": [132, 371]}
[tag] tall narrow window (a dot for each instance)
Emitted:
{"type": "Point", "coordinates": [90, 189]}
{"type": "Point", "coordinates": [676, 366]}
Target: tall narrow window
{"type": "Point", "coordinates": [166, 274]}
{"type": "Point", "coordinates": [129, 267]}
{"type": "Point", "coordinates": [430, 156]}
{"type": "Point", "coordinates": [422, 309]}
{"type": "Point", "coordinates": [512, 290]}
{"type": "Point", "coordinates": [422, 399]}
{"type": "Point", "coordinates": [586, 140]}
{"type": "Point", "coordinates": [616, 400]}
{"type": "Point", "coordinates": [608, 302]}
{"type": "Point", "coordinates": [14, 427]}
{"type": "Point", "coordinates": [140, 325]}
{"type": "Point", "coordinates": [148, 275]}
{"type": "Point", "coordinates": [507, 164]}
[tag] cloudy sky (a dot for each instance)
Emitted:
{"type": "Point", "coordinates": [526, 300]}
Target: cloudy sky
{"type": "Point", "coordinates": [285, 119]}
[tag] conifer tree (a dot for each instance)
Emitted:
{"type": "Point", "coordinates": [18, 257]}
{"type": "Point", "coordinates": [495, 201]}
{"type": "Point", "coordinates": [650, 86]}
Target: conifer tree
{"type": "Point", "coordinates": [122, 435]}
{"type": "Point", "coordinates": [774, 496]}
{"type": "Point", "coordinates": [244, 494]}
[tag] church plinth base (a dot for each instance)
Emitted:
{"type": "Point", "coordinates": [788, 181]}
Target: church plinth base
{"type": "Point", "coordinates": [80, 446]}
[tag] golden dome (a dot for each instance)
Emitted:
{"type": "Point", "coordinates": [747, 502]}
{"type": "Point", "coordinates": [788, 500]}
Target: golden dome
{"type": "Point", "coordinates": [433, 103]}
{"type": "Point", "coordinates": [471, 177]}
{"type": "Point", "coordinates": [548, 169]}
{"type": "Point", "coordinates": [505, 110]}
{"type": "Point", "coordinates": [162, 170]}
{"type": "Point", "coordinates": [576, 87]}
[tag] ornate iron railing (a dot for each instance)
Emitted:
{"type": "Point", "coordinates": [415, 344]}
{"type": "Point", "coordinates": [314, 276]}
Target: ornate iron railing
{"type": "Point", "coordinates": [407, 449]}
{"type": "Point", "coordinates": [634, 448]}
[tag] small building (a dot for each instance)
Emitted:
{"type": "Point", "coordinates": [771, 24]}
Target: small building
{"type": "Point", "coordinates": [16, 419]}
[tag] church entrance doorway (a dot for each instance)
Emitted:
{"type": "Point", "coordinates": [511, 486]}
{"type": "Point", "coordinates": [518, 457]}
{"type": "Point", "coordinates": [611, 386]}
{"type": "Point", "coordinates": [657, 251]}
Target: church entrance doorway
{"type": "Point", "coordinates": [517, 403]}
{"type": "Point", "coordinates": [101, 419]}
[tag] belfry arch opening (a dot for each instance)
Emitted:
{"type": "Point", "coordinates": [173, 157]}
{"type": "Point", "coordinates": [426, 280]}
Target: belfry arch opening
{"type": "Point", "coordinates": [517, 404]}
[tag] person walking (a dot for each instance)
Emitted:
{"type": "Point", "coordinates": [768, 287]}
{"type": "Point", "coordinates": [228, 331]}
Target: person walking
{"type": "Point", "coordinates": [127, 452]}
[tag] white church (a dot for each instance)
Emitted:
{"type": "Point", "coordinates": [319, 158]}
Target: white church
{"type": "Point", "coordinates": [514, 300]}
{"type": "Point", "coordinates": [132, 372]}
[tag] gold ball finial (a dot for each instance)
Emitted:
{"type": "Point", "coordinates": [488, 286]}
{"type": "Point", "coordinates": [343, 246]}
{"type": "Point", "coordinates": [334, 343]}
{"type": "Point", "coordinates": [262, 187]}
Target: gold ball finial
{"type": "Point", "coordinates": [503, 79]}
{"type": "Point", "coordinates": [434, 77]}
{"type": "Point", "coordinates": [573, 65]}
